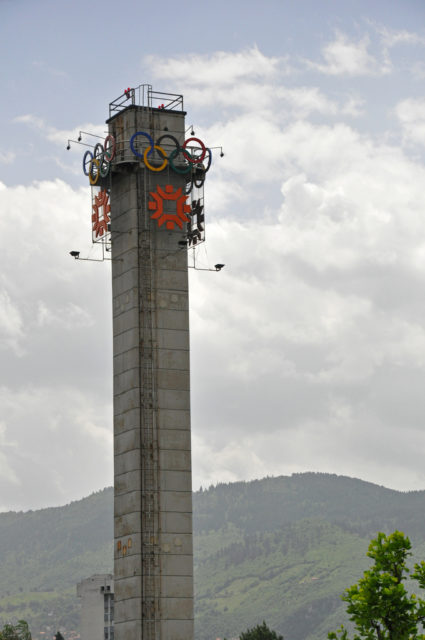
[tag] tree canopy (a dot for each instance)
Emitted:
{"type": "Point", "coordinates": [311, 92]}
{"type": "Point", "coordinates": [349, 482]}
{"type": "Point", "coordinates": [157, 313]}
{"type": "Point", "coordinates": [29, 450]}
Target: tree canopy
{"type": "Point", "coordinates": [18, 631]}
{"type": "Point", "coordinates": [379, 604]}
{"type": "Point", "coordinates": [260, 632]}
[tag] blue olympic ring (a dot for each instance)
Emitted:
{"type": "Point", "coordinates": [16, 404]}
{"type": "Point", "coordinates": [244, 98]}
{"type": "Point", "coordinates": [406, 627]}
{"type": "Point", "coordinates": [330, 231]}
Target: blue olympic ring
{"type": "Point", "coordinates": [132, 139]}
{"type": "Point", "coordinates": [85, 156]}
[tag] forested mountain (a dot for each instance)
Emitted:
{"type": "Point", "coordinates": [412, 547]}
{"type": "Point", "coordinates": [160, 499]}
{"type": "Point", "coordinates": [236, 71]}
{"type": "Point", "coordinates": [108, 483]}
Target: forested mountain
{"type": "Point", "coordinates": [280, 549]}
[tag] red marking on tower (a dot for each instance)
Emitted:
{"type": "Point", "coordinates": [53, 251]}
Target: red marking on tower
{"type": "Point", "coordinates": [170, 219]}
{"type": "Point", "coordinates": [100, 219]}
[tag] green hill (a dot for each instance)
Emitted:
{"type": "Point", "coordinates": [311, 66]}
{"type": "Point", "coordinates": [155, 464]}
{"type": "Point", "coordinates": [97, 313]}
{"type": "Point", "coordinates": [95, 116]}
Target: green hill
{"type": "Point", "coordinates": [280, 549]}
{"type": "Point", "coordinates": [43, 554]}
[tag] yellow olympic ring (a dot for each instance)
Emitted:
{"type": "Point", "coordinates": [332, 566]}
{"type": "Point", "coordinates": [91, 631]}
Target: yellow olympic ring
{"type": "Point", "coordinates": [94, 179]}
{"type": "Point", "coordinates": [149, 166]}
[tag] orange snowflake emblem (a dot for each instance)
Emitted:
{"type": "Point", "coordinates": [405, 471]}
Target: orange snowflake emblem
{"type": "Point", "coordinates": [181, 208]}
{"type": "Point", "coordinates": [100, 219]}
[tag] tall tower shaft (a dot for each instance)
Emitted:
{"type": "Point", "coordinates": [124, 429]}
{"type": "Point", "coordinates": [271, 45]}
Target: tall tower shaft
{"type": "Point", "coordinates": [153, 558]}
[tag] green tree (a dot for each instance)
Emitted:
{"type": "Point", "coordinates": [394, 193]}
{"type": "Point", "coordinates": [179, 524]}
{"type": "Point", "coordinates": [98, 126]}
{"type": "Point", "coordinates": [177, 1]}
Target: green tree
{"type": "Point", "coordinates": [260, 632]}
{"type": "Point", "coordinates": [18, 631]}
{"type": "Point", "coordinates": [379, 604]}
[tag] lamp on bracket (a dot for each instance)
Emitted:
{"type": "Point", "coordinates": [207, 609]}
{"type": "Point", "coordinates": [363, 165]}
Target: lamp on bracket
{"type": "Point", "coordinates": [221, 150]}
{"type": "Point", "coordinates": [76, 256]}
{"type": "Point", "coordinates": [68, 146]}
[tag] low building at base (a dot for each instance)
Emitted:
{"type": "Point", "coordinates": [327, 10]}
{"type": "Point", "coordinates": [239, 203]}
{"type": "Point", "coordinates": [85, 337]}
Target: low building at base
{"type": "Point", "coordinates": [97, 607]}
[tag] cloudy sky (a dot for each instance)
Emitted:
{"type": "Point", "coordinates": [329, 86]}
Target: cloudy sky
{"type": "Point", "coordinates": [308, 349]}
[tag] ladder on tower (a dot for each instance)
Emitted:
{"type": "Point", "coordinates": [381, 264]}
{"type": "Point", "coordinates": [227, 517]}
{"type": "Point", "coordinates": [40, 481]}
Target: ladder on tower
{"type": "Point", "coordinates": [149, 436]}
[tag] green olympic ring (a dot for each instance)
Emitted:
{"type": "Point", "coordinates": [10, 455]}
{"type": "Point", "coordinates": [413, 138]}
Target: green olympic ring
{"type": "Point", "coordinates": [173, 155]}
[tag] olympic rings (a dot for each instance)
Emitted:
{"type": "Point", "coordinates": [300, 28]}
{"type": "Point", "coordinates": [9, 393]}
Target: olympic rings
{"type": "Point", "coordinates": [104, 166]}
{"type": "Point", "coordinates": [209, 160]}
{"type": "Point", "coordinates": [192, 159]}
{"type": "Point", "coordinates": [97, 163]}
{"type": "Point", "coordinates": [85, 156]}
{"type": "Point", "coordinates": [134, 136]}
{"type": "Point", "coordinates": [151, 167]}
{"type": "Point", "coordinates": [109, 147]}
{"type": "Point", "coordinates": [173, 155]}
{"type": "Point", "coordinates": [189, 185]}
{"type": "Point", "coordinates": [98, 151]}
{"type": "Point", "coordinates": [199, 177]}
{"type": "Point", "coordinates": [188, 156]}
{"type": "Point", "coordinates": [170, 137]}
{"type": "Point", "coordinates": [94, 176]}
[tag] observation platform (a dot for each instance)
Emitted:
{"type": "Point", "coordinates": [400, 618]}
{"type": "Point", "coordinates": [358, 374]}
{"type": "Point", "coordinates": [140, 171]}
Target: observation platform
{"type": "Point", "coordinates": [144, 96]}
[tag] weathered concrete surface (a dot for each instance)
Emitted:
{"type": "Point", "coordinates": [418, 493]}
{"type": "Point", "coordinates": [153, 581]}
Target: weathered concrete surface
{"type": "Point", "coordinates": [153, 492]}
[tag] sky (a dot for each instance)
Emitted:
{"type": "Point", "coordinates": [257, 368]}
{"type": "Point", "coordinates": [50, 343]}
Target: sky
{"type": "Point", "coordinates": [308, 348]}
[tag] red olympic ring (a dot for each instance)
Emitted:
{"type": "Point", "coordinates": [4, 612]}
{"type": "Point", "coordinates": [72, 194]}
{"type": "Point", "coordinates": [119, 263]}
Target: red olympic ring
{"type": "Point", "coordinates": [191, 159]}
{"type": "Point", "coordinates": [109, 152]}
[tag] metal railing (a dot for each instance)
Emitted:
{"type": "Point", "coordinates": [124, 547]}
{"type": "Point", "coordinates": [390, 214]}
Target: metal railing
{"type": "Point", "coordinates": [145, 96]}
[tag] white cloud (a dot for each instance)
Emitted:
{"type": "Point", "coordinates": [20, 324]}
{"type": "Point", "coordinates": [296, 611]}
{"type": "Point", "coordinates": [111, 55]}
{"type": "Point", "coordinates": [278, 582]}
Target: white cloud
{"type": "Point", "coordinates": [61, 136]}
{"type": "Point", "coordinates": [11, 323]}
{"type": "Point", "coordinates": [411, 114]}
{"type": "Point", "coordinates": [69, 316]}
{"type": "Point", "coordinates": [308, 349]}
{"type": "Point", "coordinates": [248, 81]}
{"type": "Point", "coordinates": [393, 37]}
{"type": "Point", "coordinates": [318, 313]}
{"type": "Point", "coordinates": [7, 474]}
{"type": "Point", "coordinates": [221, 68]}
{"type": "Point", "coordinates": [347, 57]}
{"type": "Point", "coordinates": [55, 335]}
{"type": "Point", "coordinates": [305, 101]}
{"type": "Point", "coordinates": [56, 431]}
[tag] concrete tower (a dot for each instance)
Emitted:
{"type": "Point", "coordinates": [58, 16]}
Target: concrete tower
{"type": "Point", "coordinates": [150, 226]}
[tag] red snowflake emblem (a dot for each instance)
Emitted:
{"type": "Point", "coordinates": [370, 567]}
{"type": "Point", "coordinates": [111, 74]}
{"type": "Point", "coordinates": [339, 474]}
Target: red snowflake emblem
{"type": "Point", "coordinates": [100, 219]}
{"type": "Point", "coordinates": [170, 219]}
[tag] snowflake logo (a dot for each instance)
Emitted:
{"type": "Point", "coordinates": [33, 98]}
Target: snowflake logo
{"type": "Point", "coordinates": [181, 208]}
{"type": "Point", "coordinates": [195, 228]}
{"type": "Point", "coordinates": [100, 219]}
